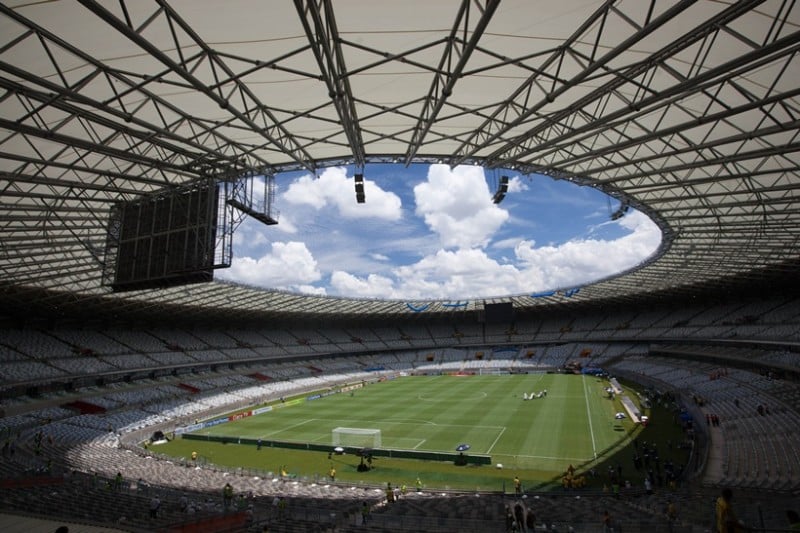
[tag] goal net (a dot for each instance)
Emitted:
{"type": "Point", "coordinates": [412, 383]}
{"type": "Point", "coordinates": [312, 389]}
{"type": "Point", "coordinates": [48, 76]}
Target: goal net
{"type": "Point", "coordinates": [357, 437]}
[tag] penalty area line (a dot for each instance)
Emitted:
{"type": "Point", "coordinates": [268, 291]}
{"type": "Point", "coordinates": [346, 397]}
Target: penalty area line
{"type": "Point", "coordinates": [496, 439]}
{"type": "Point", "coordinates": [304, 422]}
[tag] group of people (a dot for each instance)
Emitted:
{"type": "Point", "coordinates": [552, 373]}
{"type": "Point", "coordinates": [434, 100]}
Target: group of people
{"type": "Point", "coordinates": [571, 480]}
{"type": "Point", "coordinates": [534, 395]}
{"type": "Point", "coordinates": [230, 502]}
{"type": "Point", "coordinates": [393, 493]}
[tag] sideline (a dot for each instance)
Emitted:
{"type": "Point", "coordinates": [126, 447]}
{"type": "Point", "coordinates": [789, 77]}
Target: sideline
{"type": "Point", "coordinates": [589, 415]}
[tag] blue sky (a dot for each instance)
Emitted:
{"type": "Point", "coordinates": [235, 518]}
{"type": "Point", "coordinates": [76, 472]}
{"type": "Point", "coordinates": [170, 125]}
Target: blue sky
{"type": "Point", "coordinates": [431, 232]}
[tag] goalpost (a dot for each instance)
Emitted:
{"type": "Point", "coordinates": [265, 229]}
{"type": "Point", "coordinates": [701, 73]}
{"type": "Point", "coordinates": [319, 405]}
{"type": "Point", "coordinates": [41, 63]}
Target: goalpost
{"type": "Point", "coordinates": [356, 437]}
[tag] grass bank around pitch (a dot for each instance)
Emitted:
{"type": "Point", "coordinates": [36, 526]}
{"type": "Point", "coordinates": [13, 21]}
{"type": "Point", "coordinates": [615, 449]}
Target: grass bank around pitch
{"type": "Point", "coordinates": [536, 439]}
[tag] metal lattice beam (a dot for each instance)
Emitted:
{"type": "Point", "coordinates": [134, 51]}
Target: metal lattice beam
{"type": "Point", "coordinates": [319, 23]}
{"type": "Point", "coordinates": [254, 114]}
{"type": "Point", "coordinates": [686, 110]}
{"type": "Point", "coordinates": [461, 42]}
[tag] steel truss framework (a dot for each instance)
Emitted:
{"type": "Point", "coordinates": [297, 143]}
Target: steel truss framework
{"type": "Point", "coordinates": [688, 110]}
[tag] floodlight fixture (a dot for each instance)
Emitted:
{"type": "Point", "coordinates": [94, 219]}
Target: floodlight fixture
{"type": "Point", "coordinates": [502, 189]}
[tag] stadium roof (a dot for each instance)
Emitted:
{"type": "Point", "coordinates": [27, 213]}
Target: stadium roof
{"type": "Point", "coordinates": [687, 110]}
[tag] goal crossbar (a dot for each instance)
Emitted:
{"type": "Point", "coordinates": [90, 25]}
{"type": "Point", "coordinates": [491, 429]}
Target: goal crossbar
{"type": "Point", "coordinates": [363, 437]}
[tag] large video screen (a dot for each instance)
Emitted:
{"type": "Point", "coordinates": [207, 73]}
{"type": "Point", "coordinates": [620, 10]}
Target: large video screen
{"type": "Point", "coordinates": [500, 313]}
{"type": "Point", "coordinates": [162, 240]}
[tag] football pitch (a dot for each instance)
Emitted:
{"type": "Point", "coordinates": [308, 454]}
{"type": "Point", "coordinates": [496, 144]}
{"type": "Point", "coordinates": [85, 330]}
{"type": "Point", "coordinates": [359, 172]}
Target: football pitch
{"type": "Point", "coordinates": [573, 424]}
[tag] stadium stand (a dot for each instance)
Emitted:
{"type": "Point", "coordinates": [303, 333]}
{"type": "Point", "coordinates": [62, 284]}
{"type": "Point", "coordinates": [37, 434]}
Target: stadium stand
{"type": "Point", "coordinates": [90, 444]}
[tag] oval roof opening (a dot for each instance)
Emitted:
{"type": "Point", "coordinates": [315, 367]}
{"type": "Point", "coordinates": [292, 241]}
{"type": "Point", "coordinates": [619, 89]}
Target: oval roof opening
{"type": "Point", "coordinates": [429, 231]}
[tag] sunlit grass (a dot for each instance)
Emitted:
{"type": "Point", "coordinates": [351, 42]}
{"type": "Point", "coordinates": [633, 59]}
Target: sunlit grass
{"type": "Point", "coordinates": [537, 439]}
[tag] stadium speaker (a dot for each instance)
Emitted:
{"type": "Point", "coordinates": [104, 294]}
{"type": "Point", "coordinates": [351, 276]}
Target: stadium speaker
{"type": "Point", "coordinates": [502, 189]}
{"type": "Point", "coordinates": [360, 197]}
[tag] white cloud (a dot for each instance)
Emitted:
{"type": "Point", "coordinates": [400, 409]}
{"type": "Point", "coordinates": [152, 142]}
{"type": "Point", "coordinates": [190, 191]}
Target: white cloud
{"type": "Point", "coordinates": [580, 261]}
{"type": "Point", "coordinates": [286, 224]}
{"type": "Point", "coordinates": [455, 275]}
{"type": "Point", "coordinates": [307, 190]}
{"type": "Point", "coordinates": [471, 273]}
{"type": "Point", "coordinates": [373, 286]}
{"type": "Point", "coordinates": [456, 205]}
{"type": "Point", "coordinates": [515, 184]}
{"type": "Point", "coordinates": [334, 188]}
{"type": "Point", "coordinates": [640, 223]}
{"type": "Point", "coordinates": [311, 290]}
{"type": "Point", "coordinates": [249, 233]}
{"type": "Point", "coordinates": [444, 275]}
{"type": "Point", "coordinates": [288, 266]}
{"type": "Point", "coordinates": [509, 243]}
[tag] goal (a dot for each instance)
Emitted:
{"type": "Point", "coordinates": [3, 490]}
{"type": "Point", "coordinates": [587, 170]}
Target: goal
{"type": "Point", "coordinates": [357, 437]}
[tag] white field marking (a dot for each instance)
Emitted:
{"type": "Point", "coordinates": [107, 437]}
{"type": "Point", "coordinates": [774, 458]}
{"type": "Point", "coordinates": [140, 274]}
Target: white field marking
{"type": "Point", "coordinates": [589, 415]}
{"type": "Point", "coordinates": [410, 421]}
{"type": "Point", "coordinates": [545, 457]}
{"type": "Point", "coordinates": [304, 422]}
{"type": "Point", "coordinates": [420, 443]}
{"type": "Point", "coordinates": [392, 421]}
{"type": "Point", "coordinates": [495, 440]}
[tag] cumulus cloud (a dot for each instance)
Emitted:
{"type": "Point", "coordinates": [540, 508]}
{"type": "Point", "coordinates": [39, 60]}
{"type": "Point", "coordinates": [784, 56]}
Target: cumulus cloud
{"type": "Point", "coordinates": [455, 274]}
{"type": "Point", "coordinates": [457, 206]}
{"type": "Point", "coordinates": [249, 234]}
{"type": "Point", "coordinates": [311, 290]}
{"type": "Point", "coordinates": [459, 246]}
{"type": "Point", "coordinates": [333, 188]}
{"type": "Point", "coordinates": [287, 224]}
{"type": "Point", "coordinates": [472, 273]}
{"type": "Point", "coordinates": [515, 184]}
{"type": "Point", "coordinates": [509, 243]}
{"type": "Point", "coordinates": [288, 265]}
{"type": "Point", "coordinates": [583, 260]}
{"type": "Point", "coordinates": [373, 286]}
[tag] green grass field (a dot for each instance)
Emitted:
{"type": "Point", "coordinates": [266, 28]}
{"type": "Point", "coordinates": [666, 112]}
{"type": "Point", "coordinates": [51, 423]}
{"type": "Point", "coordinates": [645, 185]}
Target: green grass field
{"type": "Point", "coordinates": [574, 424]}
